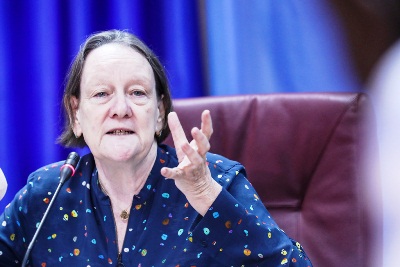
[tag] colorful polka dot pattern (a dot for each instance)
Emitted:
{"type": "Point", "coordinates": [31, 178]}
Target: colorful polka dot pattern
{"type": "Point", "coordinates": [163, 229]}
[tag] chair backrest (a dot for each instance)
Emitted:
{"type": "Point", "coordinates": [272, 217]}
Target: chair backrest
{"type": "Point", "coordinates": [303, 153]}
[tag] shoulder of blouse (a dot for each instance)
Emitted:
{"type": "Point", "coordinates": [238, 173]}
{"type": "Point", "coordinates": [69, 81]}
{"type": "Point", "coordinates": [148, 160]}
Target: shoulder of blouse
{"type": "Point", "coordinates": [49, 175]}
{"type": "Point", "coordinates": [224, 170]}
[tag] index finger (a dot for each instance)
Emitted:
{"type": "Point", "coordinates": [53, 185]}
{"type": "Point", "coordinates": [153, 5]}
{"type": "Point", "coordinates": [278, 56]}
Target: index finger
{"type": "Point", "coordinates": [178, 134]}
{"type": "Point", "coordinates": [206, 123]}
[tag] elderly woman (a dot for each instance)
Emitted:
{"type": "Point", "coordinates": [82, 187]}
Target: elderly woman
{"type": "Point", "coordinates": [134, 201]}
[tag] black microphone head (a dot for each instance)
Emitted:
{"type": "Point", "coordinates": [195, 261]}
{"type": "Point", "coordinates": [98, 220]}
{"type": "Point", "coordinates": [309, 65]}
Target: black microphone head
{"type": "Point", "coordinates": [73, 159]}
{"type": "Point", "coordinates": [68, 168]}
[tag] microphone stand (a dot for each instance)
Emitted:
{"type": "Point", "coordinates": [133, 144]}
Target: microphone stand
{"type": "Point", "coordinates": [67, 170]}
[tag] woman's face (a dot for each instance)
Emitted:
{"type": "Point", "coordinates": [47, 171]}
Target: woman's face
{"type": "Point", "coordinates": [118, 112]}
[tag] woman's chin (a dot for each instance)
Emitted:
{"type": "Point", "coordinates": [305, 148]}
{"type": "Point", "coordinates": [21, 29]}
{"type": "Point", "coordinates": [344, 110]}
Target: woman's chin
{"type": "Point", "coordinates": [122, 156]}
{"type": "Point", "coordinates": [118, 154]}
{"type": "Point", "coordinates": [122, 152]}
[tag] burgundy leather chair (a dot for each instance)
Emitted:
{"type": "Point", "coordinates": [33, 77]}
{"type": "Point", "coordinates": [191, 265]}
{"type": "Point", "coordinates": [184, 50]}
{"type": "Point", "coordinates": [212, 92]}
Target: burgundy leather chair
{"type": "Point", "coordinates": [303, 153]}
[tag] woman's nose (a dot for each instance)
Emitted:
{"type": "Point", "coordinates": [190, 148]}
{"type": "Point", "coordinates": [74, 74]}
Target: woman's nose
{"type": "Point", "coordinates": [121, 107]}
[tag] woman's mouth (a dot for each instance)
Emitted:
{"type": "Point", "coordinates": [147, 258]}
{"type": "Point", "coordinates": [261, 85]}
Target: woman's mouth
{"type": "Point", "coordinates": [120, 132]}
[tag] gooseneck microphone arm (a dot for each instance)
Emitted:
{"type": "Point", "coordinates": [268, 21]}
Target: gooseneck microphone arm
{"type": "Point", "coordinates": [67, 170]}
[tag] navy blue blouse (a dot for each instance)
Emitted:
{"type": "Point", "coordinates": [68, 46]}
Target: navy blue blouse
{"type": "Point", "coordinates": [163, 229]}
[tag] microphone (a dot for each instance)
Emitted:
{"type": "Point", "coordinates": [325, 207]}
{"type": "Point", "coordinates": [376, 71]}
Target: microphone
{"type": "Point", "coordinates": [66, 171]}
{"type": "Point", "coordinates": [3, 184]}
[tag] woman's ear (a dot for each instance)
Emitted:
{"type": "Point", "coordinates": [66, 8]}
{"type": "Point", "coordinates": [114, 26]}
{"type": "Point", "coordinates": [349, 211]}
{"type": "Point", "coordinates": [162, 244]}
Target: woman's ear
{"type": "Point", "coordinates": [75, 123]}
{"type": "Point", "coordinates": [161, 114]}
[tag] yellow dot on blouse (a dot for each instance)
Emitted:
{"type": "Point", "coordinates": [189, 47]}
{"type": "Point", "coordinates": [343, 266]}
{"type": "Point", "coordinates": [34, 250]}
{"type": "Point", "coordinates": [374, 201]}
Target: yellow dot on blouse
{"type": "Point", "coordinates": [76, 252]}
{"type": "Point", "coordinates": [247, 252]}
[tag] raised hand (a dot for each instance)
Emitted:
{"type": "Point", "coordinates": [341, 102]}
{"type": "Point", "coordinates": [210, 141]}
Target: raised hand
{"type": "Point", "coordinates": [192, 175]}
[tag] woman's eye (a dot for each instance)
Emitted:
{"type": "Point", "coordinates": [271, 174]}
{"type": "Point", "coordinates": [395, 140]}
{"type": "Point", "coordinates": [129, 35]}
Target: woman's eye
{"type": "Point", "coordinates": [101, 94]}
{"type": "Point", "coordinates": [137, 93]}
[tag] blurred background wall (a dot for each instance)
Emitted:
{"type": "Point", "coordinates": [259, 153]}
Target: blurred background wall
{"type": "Point", "coordinates": [208, 48]}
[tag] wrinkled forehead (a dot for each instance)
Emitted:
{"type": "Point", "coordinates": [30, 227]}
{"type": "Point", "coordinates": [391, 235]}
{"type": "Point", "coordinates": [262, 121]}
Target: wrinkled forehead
{"type": "Point", "coordinates": [115, 60]}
